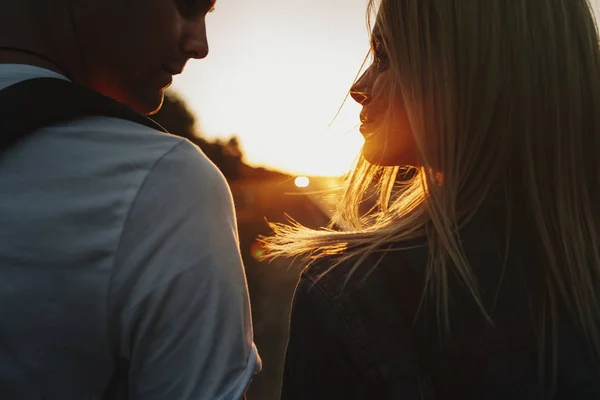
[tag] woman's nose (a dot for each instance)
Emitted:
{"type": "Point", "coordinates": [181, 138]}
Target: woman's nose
{"type": "Point", "coordinates": [360, 97]}
{"type": "Point", "coordinates": [359, 91]}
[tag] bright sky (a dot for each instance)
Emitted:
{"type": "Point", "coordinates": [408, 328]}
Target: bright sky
{"type": "Point", "coordinates": [277, 73]}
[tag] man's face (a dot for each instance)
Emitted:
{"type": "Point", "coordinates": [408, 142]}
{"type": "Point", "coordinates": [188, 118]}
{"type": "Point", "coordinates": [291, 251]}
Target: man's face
{"type": "Point", "coordinates": [132, 48]}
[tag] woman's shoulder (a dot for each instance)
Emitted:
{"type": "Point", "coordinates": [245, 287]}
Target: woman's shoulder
{"type": "Point", "coordinates": [381, 296]}
{"type": "Point", "coordinates": [345, 279]}
{"type": "Point", "coordinates": [374, 301]}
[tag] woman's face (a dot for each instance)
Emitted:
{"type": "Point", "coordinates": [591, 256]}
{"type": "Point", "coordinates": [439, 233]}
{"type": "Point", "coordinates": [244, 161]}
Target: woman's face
{"type": "Point", "coordinates": [384, 121]}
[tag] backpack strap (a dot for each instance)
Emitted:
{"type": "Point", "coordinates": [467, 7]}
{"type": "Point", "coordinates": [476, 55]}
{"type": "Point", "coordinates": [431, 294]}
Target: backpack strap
{"type": "Point", "coordinates": [30, 105]}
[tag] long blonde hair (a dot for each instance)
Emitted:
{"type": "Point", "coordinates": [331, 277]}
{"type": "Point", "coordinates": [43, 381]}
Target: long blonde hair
{"type": "Point", "coordinates": [500, 94]}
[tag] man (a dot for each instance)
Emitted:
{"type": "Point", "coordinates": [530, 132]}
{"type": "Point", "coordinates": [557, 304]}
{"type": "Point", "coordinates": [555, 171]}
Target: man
{"type": "Point", "coordinates": [119, 255]}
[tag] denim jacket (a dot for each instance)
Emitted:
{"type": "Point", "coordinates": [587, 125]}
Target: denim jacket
{"type": "Point", "coordinates": [359, 336]}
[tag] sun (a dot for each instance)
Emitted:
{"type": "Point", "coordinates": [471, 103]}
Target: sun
{"type": "Point", "coordinates": [302, 182]}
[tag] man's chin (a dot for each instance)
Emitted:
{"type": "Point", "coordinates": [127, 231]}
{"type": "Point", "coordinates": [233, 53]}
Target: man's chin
{"type": "Point", "coordinates": [149, 104]}
{"type": "Point", "coordinates": [145, 99]}
{"type": "Point", "coordinates": [155, 109]}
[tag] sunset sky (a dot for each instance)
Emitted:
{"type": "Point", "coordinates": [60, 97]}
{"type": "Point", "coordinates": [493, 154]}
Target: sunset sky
{"type": "Point", "coordinates": [277, 73]}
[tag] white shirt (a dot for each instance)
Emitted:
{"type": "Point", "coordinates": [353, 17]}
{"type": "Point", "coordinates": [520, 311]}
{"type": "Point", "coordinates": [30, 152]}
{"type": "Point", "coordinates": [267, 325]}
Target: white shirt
{"type": "Point", "coordinates": [118, 240]}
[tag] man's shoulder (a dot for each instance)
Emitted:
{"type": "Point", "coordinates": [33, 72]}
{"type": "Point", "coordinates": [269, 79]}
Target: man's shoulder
{"type": "Point", "coordinates": [128, 142]}
{"type": "Point", "coordinates": [187, 164]}
{"type": "Point", "coordinates": [116, 132]}
{"type": "Point", "coordinates": [179, 180]}
{"type": "Point", "coordinates": [121, 157]}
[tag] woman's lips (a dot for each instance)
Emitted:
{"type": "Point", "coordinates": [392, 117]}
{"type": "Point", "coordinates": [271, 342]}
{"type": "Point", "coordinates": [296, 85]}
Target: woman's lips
{"type": "Point", "coordinates": [366, 118]}
{"type": "Point", "coordinates": [367, 128]}
{"type": "Point", "coordinates": [367, 124]}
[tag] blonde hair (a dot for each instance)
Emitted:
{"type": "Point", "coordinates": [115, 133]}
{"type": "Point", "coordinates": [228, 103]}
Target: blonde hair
{"type": "Point", "coordinates": [502, 96]}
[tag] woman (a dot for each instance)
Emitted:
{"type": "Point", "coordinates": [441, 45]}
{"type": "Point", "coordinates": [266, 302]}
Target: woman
{"type": "Point", "coordinates": [476, 275]}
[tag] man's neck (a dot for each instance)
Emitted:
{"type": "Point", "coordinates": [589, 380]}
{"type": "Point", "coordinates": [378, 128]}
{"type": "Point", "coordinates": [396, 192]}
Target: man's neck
{"type": "Point", "coordinates": [17, 57]}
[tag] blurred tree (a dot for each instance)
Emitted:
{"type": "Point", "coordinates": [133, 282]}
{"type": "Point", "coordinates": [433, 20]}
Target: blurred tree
{"type": "Point", "coordinates": [177, 118]}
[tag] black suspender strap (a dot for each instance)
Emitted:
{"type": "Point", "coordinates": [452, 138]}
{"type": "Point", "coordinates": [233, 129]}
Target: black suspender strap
{"type": "Point", "coordinates": [30, 105]}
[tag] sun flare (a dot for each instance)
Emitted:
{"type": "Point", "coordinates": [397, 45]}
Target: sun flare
{"type": "Point", "coordinates": [302, 182]}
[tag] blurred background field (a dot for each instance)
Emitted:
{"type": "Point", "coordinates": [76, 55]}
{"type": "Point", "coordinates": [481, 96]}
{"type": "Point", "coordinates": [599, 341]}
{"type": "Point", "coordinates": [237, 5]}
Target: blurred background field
{"type": "Point", "coordinates": [272, 284]}
{"type": "Point", "coordinates": [260, 195]}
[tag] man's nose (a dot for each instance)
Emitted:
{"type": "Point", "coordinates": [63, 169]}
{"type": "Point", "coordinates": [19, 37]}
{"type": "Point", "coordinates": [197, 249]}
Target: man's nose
{"type": "Point", "coordinates": [196, 41]}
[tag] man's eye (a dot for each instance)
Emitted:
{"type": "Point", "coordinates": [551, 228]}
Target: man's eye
{"type": "Point", "coordinates": [194, 8]}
